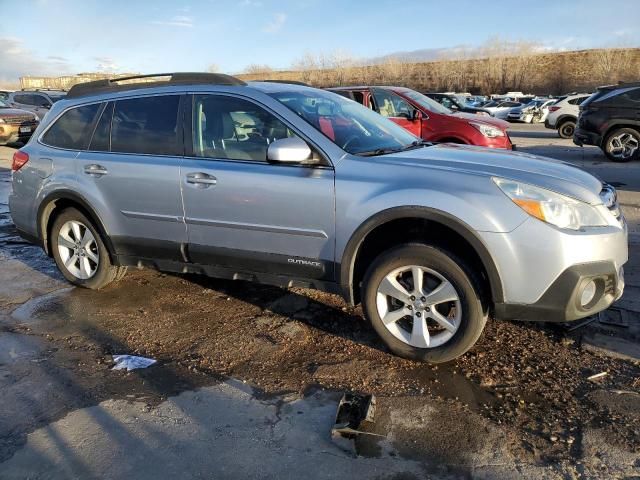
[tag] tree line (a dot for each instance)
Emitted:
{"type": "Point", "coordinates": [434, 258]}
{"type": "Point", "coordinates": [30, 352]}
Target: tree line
{"type": "Point", "coordinates": [496, 67]}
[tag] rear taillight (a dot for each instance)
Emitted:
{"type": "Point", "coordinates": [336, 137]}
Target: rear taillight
{"type": "Point", "coordinates": [19, 160]}
{"type": "Point", "coordinates": [553, 109]}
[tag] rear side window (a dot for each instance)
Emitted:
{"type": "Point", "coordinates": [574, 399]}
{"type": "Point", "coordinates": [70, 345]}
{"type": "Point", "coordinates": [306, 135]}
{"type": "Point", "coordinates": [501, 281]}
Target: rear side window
{"type": "Point", "coordinates": [73, 129]}
{"type": "Point", "coordinates": [147, 125]}
{"type": "Point", "coordinates": [577, 101]}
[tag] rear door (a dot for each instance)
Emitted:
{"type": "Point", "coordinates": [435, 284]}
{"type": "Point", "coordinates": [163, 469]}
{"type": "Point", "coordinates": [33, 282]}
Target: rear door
{"type": "Point", "coordinates": [395, 108]}
{"type": "Point", "coordinates": [132, 170]}
{"type": "Point", "coordinates": [245, 213]}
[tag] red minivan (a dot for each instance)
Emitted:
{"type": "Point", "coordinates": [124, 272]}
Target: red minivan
{"type": "Point", "coordinates": [429, 120]}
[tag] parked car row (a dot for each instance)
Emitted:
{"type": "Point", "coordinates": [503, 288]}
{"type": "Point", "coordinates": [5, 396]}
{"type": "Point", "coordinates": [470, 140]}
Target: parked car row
{"type": "Point", "coordinates": [21, 112]}
{"type": "Point", "coordinates": [295, 186]}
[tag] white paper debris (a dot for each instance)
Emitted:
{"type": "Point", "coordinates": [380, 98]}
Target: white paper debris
{"type": "Point", "coordinates": [131, 362]}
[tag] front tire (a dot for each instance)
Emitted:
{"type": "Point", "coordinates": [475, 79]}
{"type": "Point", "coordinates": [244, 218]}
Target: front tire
{"type": "Point", "coordinates": [80, 252]}
{"type": "Point", "coordinates": [566, 129]}
{"type": "Point", "coordinates": [424, 303]}
{"type": "Point", "coordinates": [622, 145]}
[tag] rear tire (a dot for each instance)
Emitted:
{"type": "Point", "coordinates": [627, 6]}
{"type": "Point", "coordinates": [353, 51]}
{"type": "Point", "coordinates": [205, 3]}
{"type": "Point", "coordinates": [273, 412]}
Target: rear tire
{"type": "Point", "coordinates": [566, 129]}
{"type": "Point", "coordinates": [447, 305]}
{"type": "Point", "coordinates": [80, 252]}
{"type": "Point", "coordinates": [622, 145]}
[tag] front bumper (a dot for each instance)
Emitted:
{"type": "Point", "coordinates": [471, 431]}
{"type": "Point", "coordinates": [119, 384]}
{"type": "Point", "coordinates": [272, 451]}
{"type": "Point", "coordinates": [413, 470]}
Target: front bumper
{"type": "Point", "coordinates": [497, 142]}
{"type": "Point", "coordinates": [562, 301]}
{"type": "Point", "coordinates": [585, 137]}
{"type": "Point", "coordinates": [12, 133]}
{"type": "Point", "coordinates": [544, 269]}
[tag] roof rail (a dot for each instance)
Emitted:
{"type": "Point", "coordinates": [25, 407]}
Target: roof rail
{"type": "Point", "coordinates": [619, 85]}
{"type": "Point", "coordinates": [42, 89]}
{"type": "Point", "coordinates": [290, 82]}
{"type": "Point", "coordinates": [180, 78]}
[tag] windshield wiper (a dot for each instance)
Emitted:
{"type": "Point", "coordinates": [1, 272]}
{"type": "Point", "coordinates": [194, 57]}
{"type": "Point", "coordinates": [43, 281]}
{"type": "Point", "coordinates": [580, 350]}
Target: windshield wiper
{"type": "Point", "coordinates": [384, 151]}
{"type": "Point", "coordinates": [416, 144]}
{"type": "Point", "coordinates": [378, 151]}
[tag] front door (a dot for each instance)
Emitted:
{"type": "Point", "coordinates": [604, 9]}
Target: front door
{"type": "Point", "coordinates": [132, 167]}
{"type": "Point", "coordinates": [245, 213]}
{"type": "Point", "coordinates": [397, 109]}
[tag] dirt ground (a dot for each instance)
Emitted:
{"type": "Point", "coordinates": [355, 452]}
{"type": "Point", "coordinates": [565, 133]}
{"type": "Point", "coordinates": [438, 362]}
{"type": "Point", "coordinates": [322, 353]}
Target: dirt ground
{"type": "Point", "coordinates": [519, 404]}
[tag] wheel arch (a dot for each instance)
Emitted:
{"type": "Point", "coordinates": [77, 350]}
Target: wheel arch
{"type": "Point", "coordinates": [622, 123]}
{"type": "Point", "coordinates": [565, 118]}
{"type": "Point", "coordinates": [58, 201]}
{"type": "Point", "coordinates": [451, 139]}
{"type": "Point", "coordinates": [349, 272]}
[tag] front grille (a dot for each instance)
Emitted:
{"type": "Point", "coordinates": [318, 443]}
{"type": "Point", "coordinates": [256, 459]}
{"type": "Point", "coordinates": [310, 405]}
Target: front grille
{"type": "Point", "coordinates": [609, 198]}
{"type": "Point", "coordinates": [21, 120]}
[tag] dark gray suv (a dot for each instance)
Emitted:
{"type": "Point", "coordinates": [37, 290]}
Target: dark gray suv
{"type": "Point", "coordinates": [294, 186]}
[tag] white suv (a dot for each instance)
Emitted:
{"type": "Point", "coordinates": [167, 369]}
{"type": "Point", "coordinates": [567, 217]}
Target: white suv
{"type": "Point", "coordinates": [563, 114]}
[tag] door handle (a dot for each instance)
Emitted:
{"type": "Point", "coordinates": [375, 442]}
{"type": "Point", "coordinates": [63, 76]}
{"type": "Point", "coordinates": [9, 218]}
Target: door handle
{"type": "Point", "coordinates": [201, 179]}
{"type": "Point", "coordinates": [95, 170]}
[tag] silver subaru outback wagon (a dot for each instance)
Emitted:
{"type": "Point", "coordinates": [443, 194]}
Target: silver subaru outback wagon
{"type": "Point", "coordinates": [294, 186]}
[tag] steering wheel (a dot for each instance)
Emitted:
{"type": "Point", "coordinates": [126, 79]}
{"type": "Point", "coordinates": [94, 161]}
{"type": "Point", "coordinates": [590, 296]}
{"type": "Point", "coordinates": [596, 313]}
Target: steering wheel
{"type": "Point", "coordinates": [349, 141]}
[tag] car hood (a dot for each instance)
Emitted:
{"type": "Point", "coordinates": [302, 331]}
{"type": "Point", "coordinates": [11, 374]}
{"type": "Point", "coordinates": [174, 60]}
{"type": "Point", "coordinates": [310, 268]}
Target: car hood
{"type": "Point", "coordinates": [495, 122]}
{"type": "Point", "coordinates": [12, 112]}
{"type": "Point", "coordinates": [560, 177]}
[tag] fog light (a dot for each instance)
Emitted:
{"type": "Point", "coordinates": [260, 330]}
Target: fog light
{"type": "Point", "coordinates": [588, 292]}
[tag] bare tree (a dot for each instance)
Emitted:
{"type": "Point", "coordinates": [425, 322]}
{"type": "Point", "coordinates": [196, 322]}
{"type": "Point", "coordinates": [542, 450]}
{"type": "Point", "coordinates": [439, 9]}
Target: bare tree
{"type": "Point", "coordinates": [307, 67]}
{"type": "Point", "coordinates": [213, 68]}
{"type": "Point", "coordinates": [256, 69]}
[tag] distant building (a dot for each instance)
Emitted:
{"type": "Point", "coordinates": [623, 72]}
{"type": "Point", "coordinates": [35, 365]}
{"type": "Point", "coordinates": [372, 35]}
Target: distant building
{"type": "Point", "coordinates": [67, 81]}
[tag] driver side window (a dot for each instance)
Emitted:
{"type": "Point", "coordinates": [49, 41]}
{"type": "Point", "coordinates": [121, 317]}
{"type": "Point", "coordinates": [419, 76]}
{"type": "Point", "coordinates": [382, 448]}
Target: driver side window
{"type": "Point", "coordinates": [234, 129]}
{"type": "Point", "coordinates": [389, 104]}
{"type": "Point", "coordinates": [446, 102]}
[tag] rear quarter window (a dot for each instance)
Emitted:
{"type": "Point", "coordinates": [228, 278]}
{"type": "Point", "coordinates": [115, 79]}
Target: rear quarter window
{"type": "Point", "coordinates": [73, 129]}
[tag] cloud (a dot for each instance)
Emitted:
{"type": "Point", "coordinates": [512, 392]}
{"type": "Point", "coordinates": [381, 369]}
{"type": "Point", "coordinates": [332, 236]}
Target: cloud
{"type": "Point", "coordinates": [183, 21]}
{"type": "Point", "coordinates": [56, 58]}
{"type": "Point", "coordinates": [106, 64]}
{"type": "Point", "coordinates": [17, 60]}
{"type": "Point", "coordinates": [276, 24]}
{"type": "Point", "coordinates": [251, 3]}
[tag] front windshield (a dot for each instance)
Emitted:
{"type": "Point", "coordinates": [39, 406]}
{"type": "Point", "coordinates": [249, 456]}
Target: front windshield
{"type": "Point", "coordinates": [354, 128]}
{"type": "Point", "coordinates": [426, 102]}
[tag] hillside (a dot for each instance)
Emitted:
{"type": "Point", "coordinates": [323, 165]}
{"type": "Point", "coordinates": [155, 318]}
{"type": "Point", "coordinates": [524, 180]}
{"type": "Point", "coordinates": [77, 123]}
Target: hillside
{"type": "Point", "coordinates": [526, 71]}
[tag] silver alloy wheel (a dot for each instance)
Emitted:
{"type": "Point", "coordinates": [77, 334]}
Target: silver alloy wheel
{"type": "Point", "coordinates": [78, 250]}
{"type": "Point", "coordinates": [623, 145]}
{"type": "Point", "coordinates": [419, 306]}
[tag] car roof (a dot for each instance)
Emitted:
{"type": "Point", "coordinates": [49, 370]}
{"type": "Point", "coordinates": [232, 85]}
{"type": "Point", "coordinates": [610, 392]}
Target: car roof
{"type": "Point", "coordinates": [154, 88]}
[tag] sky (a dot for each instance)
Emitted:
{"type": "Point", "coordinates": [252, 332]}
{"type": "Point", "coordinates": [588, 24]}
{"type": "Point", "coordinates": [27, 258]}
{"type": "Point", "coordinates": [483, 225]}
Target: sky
{"type": "Point", "coordinates": [72, 36]}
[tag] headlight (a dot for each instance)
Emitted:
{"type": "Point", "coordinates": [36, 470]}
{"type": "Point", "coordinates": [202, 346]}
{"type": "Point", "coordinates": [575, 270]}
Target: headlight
{"type": "Point", "coordinates": [551, 207]}
{"type": "Point", "coordinates": [487, 130]}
